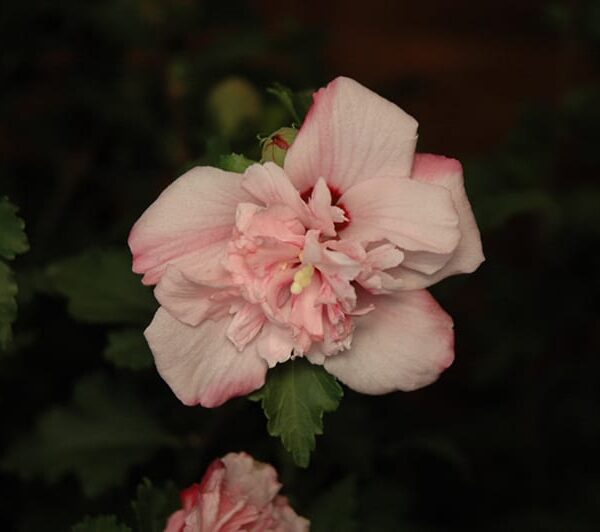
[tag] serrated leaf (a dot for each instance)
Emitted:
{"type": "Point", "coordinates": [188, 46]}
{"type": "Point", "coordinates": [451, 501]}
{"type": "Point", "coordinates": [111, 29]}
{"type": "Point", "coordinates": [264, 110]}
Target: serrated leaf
{"type": "Point", "coordinates": [294, 399]}
{"type": "Point", "coordinates": [128, 349]}
{"type": "Point", "coordinates": [98, 436]}
{"type": "Point", "coordinates": [296, 103]}
{"type": "Point", "coordinates": [235, 162]}
{"type": "Point", "coordinates": [101, 288]}
{"type": "Point", "coordinates": [336, 509]}
{"type": "Point", "coordinates": [8, 304]}
{"type": "Point", "coordinates": [154, 505]}
{"type": "Point", "coordinates": [13, 240]}
{"type": "Point", "coordinates": [100, 523]}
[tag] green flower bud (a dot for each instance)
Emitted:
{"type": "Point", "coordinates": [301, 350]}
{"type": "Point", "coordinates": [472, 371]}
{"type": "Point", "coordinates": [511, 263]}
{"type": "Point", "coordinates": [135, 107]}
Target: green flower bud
{"type": "Point", "coordinates": [275, 147]}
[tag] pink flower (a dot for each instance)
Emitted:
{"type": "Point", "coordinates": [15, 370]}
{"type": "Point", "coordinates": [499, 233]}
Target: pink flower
{"type": "Point", "coordinates": [326, 258]}
{"type": "Point", "coordinates": [236, 493]}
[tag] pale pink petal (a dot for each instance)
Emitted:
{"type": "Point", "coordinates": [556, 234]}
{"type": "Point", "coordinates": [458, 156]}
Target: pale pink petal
{"type": "Point", "coordinates": [350, 248]}
{"type": "Point", "coordinates": [307, 313]}
{"type": "Point", "coordinates": [324, 215]}
{"type": "Point", "coordinates": [342, 289]}
{"type": "Point", "coordinates": [245, 325]}
{"type": "Point", "coordinates": [349, 135]}
{"type": "Point", "coordinates": [188, 225]}
{"type": "Point", "coordinates": [253, 481]}
{"type": "Point", "coordinates": [288, 519]}
{"type": "Point", "coordinates": [384, 256]}
{"type": "Point", "coordinates": [327, 261]}
{"type": "Point", "coordinates": [415, 216]}
{"type": "Point", "coordinates": [380, 283]}
{"type": "Point", "coordinates": [191, 302]}
{"type": "Point", "coordinates": [277, 221]}
{"type": "Point", "coordinates": [176, 522]}
{"type": "Point", "coordinates": [235, 517]}
{"type": "Point", "coordinates": [269, 184]}
{"type": "Point", "coordinates": [468, 255]}
{"type": "Point", "coordinates": [425, 262]}
{"type": "Point", "coordinates": [338, 329]}
{"type": "Point", "coordinates": [274, 344]}
{"type": "Point", "coordinates": [200, 364]}
{"type": "Point", "coordinates": [272, 252]}
{"type": "Point", "coordinates": [403, 344]}
{"type": "Point", "coordinates": [215, 508]}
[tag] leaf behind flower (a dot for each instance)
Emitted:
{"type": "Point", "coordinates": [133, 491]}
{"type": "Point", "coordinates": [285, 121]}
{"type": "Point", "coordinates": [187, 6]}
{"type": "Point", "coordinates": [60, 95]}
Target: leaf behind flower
{"type": "Point", "coordinates": [294, 399]}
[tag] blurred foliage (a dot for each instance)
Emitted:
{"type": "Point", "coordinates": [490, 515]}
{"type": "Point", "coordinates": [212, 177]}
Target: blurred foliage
{"type": "Point", "coordinates": [98, 437]}
{"type": "Point", "coordinates": [12, 242]}
{"type": "Point", "coordinates": [103, 104]}
{"type": "Point", "coordinates": [102, 523]}
{"type": "Point", "coordinates": [100, 287]}
{"type": "Point", "coordinates": [153, 506]}
{"type": "Point", "coordinates": [335, 510]}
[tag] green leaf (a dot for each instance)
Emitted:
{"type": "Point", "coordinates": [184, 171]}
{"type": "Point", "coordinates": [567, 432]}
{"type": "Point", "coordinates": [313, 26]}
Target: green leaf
{"type": "Point", "coordinates": [235, 163]}
{"type": "Point", "coordinates": [294, 399]}
{"type": "Point", "coordinates": [100, 523]}
{"type": "Point", "coordinates": [153, 506]}
{"type": "Point", "coordinates": [128, 349]}
{"type": "Point", "coordinates": [296, 103]}
{"type": "Point", "coordinates": [336, 509]}
{"type": "Point", "coordinates": [99, 436]}
{"type": "Point", "coordinates": [101, 288]}
{"type": "Point", "coordinates": [13, 240]}
{"type": "Point", "coordinates": [8, 304]}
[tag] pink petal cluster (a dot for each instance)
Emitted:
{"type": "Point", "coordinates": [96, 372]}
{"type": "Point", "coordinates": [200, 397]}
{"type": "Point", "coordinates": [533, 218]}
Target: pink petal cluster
{"type": "Point", "coordinates": [327, 258]}
{"type": "Point", "coordinates": [236, 494]}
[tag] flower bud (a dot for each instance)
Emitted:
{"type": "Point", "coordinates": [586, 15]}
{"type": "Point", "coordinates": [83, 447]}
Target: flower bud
{"type": "Point", "coordinates": [275, 147]}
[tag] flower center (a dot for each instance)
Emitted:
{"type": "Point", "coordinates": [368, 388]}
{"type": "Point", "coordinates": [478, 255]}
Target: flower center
{"type": "Point", "coordinates": [335, 201]}
{"type": "Point", "coordinates": [302, 279]}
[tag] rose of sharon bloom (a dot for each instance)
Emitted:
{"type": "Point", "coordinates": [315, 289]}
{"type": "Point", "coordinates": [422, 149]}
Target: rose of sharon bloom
{"type": "Point", "coordinates": [327, 258]}
{"type": "Point", "coordinates": [236, 493]}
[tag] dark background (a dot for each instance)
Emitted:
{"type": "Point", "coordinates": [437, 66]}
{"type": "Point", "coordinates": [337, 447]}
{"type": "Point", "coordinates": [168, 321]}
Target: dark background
{"type": "Point", "coordinates": [104, 103]}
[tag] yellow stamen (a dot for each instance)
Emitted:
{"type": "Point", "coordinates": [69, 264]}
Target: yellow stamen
{"type": "Point", "coordinates": [302, 279]}
{"type": "Point", "coordinates": [296, 288]}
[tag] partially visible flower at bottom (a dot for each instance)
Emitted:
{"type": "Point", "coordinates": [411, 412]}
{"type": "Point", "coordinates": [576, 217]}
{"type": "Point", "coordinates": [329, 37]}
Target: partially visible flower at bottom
{"type": "Point", "coordinates": [236, 493]}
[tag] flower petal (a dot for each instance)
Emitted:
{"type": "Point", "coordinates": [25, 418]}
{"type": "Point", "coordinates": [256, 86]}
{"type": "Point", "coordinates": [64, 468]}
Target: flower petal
{"type": "Point", "coordinates": [191, 302]}
{"type": "Point", "coordinates": [468, 255]}
{"type": "Point", "coordinates": [247, 479]}
{"type": "Point", "coordinates": [415, 216]}
{"type": "Point", "coordinates": [176, 522]}
{"type": "Point", "coordinates": [215, 508]}
{"type": "Point", "coordinates": [324, 215]}
{"type": "Point", "coordinates": [188, 225]}
{"type": "Point", "coordinates": [269, 184]}
{"type": "Point", "coordinates": [289, 520]}
{"type": "Point", "coordinates": [349, 135]}
{"type": "Point", "coordinates": [403, 344]}
{"type": "Point", "coordinates": [275, 344]}
{"type": "Point", "coordinates": [245, 325]}
{"type": "Point", "coordinates": [200, 364]}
